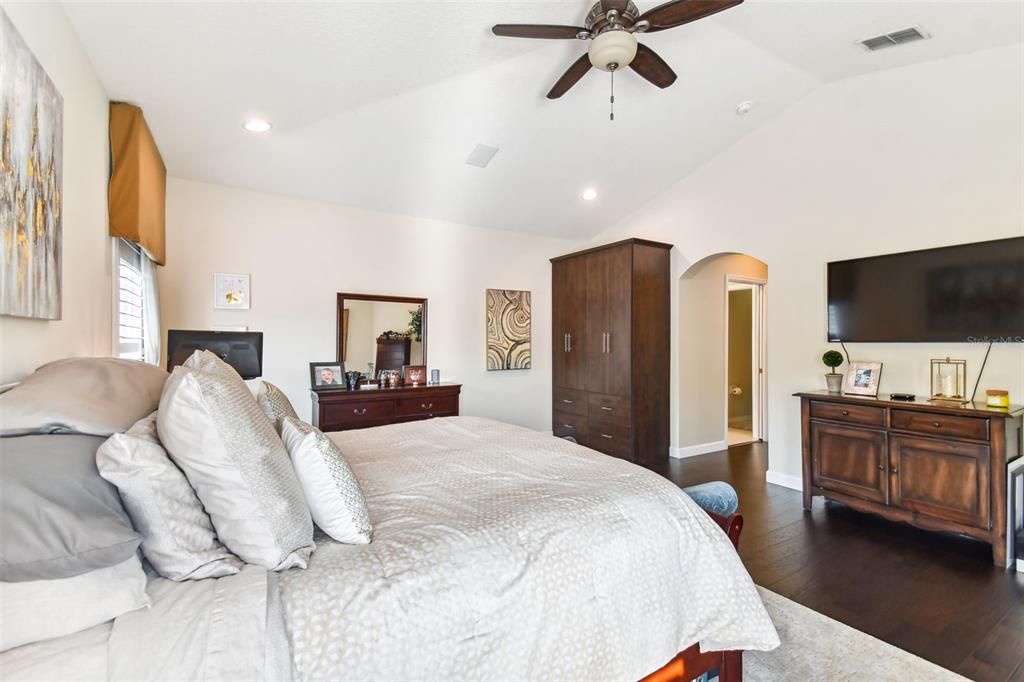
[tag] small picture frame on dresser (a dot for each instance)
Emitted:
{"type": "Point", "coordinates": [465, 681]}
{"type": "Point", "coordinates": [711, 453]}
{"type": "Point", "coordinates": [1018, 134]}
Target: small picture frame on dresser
{"type": "Point", "coordinates": [329, 375]}
{"type": "Point", "coordinates": [414, 375]}
{"type": "Point", "coordinates": [862, 378]}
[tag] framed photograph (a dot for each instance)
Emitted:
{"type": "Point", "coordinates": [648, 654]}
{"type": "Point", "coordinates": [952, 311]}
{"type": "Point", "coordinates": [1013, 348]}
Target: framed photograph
{"type": "Point", "coordinates": [326, 375]}
{"type": "Point", "coordinates": [414, 375]}
{"type": "Point", "coordinates": [862, 378]}
{"type": "Point", "coordinates": [230, 292]}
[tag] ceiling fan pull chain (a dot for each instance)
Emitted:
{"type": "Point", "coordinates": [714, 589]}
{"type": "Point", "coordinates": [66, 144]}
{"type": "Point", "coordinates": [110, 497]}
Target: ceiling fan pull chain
{"type": "Point", "coordinates": [612, 98]}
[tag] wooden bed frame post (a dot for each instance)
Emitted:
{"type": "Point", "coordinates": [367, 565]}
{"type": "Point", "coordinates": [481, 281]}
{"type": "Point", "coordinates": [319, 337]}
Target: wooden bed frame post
{"type": "Point", "coordinates": [690, 664]}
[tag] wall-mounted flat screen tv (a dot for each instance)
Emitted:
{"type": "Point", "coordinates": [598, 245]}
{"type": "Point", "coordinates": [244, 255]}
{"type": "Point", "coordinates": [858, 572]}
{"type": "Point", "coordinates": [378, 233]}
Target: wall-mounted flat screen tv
{"type": "Point", "coordinates": [967, 293]}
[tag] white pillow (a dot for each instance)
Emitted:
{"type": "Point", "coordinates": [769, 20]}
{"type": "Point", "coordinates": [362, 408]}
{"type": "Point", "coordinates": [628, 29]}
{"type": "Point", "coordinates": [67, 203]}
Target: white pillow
{"type": "Point", "coordinates": [331, 488]}
{"type": "Point", "coordinates": [43, 609]}
{"type": "Point", "coordinates": [177, 536]}
{"type": "Point", "coordinates": [213, 429]}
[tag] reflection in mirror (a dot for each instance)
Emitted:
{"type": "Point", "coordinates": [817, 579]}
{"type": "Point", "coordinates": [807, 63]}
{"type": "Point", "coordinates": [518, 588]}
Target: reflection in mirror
{"type": "Point", "coordinates": [377, 333]}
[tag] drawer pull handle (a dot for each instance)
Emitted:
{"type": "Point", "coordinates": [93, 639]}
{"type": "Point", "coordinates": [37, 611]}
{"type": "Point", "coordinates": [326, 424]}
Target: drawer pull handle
{"type": "Point", "coordinates": [881, 467]}
{"type": "Point", "coordinates": [846, 413]}
{"type": "Point", "coordinates": [569, 426]}
{"type": "Point", "coordinates": [359, 411]}
{"type": "Point", "coordinates": [936, 424]}
{"type": "Point", "coordinates": [607, 409]}
{"type": "Point", "coordinates": [426, 406]}
{"type": "Point", "coordinates": [895, 470]}
{"type": "Point", "coordinates": [567, 402]}
{"type": "Point", "coordinates": [605, 435]}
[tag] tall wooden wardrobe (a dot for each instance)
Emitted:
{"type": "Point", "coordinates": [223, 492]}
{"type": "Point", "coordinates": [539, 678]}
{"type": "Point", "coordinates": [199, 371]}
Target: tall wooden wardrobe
{"type": "Point", "coordinates": [610, 331]}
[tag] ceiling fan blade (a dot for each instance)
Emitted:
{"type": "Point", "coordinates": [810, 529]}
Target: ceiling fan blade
{"type": "Point", "coordinates": [648, 64]}
{"type": "Point", "coordinates": [679, 12]}
{"type": "Point", "coordinates": [546, 31]}
{"type": "Point", "coordinates": [572, 76]}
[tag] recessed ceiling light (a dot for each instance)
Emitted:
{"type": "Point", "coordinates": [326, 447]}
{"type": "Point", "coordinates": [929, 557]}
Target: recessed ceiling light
{"type": "Point", "coordinates": [257, 125]}
{"type": "Point", "coordinates": [744, 108]}
{"type": "Point", "coordinates": [589, 194]}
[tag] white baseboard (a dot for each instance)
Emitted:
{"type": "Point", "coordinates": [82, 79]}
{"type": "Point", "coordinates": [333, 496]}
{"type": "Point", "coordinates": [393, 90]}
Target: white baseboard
{"type": "Point", "coordinates": [694, 450]}
{"type": "Point", "coordinates": [785, 480]}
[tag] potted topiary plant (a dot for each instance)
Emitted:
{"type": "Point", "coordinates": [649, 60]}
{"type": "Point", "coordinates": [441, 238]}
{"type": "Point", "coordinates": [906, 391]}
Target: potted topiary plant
{"type": "Point", "coordinates": [833, 359]}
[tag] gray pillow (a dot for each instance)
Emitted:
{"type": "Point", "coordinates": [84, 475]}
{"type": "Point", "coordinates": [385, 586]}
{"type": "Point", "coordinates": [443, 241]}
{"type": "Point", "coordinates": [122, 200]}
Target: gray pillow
{"type": "Point", "coordinates": [97, 396]}
{"type": "Point", "coordinates": [58, 518]}
{"type": "Point", "coordinates": [275, 405]}
{"type": "Point", "coordinates": [177, 536]}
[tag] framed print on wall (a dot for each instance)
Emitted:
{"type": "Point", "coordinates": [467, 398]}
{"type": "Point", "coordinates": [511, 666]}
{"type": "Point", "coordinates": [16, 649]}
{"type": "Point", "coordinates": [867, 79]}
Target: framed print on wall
{"type": "Point", "coordinates": [508, 329]}
{"type": "Point", "coordinates": [230, 292]}
{"type": "Point", "coordinates": [862, 378]}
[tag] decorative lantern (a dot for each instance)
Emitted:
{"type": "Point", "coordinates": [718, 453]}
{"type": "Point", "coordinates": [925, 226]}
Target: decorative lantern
{"type": "Point", "coordinates": [949, 381]}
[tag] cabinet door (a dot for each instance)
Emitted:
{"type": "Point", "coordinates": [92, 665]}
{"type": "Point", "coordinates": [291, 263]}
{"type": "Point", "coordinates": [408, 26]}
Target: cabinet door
{"type": "Point", "coordinates": [850, 460]}
{"type": "Point", "coordinates": [609, 320]}
{"type": "Point", "coordinates": [944, 479]}
{"type": "Point", "coordinates": [568, 308]}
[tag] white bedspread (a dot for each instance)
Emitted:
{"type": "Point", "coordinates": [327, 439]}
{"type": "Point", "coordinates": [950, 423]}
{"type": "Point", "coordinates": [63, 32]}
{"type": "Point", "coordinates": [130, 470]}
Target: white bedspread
{"type": "Point", "coordinates": [502, 553]}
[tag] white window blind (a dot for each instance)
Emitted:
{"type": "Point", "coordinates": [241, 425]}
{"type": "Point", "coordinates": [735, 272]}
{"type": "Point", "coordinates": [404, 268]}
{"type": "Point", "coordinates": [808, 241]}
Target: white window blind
{"type": "Point", "coordinates": [130, 292]}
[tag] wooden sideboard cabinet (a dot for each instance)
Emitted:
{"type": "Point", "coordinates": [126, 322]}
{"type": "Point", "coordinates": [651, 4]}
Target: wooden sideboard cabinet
{"type": "Point", "coordinates": [343, 410]}
{"type": "Point", "coordinates": [934, 466]}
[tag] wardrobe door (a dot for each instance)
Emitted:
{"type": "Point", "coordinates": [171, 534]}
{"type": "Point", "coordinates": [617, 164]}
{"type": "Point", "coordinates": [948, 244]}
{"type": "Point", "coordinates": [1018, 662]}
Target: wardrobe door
{"type": "Point", "coordinates": [568, 306]}
{"type": "Point", "coordinates": [609, 278]}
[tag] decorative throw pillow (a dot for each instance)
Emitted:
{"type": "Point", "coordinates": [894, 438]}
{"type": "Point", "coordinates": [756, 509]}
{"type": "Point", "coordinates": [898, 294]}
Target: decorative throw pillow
{"type": "Point", "coordinates": [97, 396]}
{"type": "Point", "coordinates": [44, 609]}
{"type": "Point", "coordinates": [177, 535]}
{"type": "Point", "coordinates": [275, 405]}
{"type": "Point", "coordinates": [331, 488]}
{"type": "Point", "coordinates": [58, 518]}
{"type": "Point", "coordinates": [214, 430]}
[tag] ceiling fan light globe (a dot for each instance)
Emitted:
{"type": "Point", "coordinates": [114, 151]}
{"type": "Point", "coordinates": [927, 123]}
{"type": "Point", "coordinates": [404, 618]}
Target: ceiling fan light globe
{"type": "Point", "coordinates": [612, 50]}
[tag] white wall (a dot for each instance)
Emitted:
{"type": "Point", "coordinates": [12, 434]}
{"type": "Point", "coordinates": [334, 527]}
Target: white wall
{"type": "Point", "coordinates": [281, 241]}
{"type": "Point", "coordinates": [86, 326]}
{"type": "Point", "coordinates": [923, 156]}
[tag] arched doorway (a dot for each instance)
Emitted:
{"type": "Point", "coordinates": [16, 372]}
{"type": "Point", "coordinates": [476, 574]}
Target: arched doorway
{"type": "Point", "coordinates": [721, 383]}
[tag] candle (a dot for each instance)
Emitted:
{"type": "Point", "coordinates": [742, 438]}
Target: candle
{"type": "Point", "coordinates": [949, 385]}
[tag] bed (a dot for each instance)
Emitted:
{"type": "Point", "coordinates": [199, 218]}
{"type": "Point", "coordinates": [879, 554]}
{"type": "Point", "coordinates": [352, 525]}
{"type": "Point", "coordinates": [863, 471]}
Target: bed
{"type": "Point", "coordinates": [498, 553]}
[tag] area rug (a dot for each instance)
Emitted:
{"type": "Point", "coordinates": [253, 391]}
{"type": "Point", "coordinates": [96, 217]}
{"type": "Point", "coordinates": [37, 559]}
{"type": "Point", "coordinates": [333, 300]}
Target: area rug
{"type": "Point", "coordinates": [815, 647]}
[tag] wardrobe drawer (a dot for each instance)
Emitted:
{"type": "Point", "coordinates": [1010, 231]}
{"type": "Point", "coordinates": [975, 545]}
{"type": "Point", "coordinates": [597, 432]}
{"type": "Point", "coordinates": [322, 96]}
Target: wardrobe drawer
{"type": "Point", "coordinates": [427, 406]}
{"type": "Point", "coordinates": [611, 440]}
{"type": "Point", "coordinates": [935, 424]}
{"type": "Point", "coordinates": [609, 409]}
{"type": "Point", "coordinates": [572, 401]}
{"type": "Point", "coordinates": [356, 412]}
{"type": "Point", "coordinates": [568, 424]}
{"type": "Point", "coordinates": [864, 415]}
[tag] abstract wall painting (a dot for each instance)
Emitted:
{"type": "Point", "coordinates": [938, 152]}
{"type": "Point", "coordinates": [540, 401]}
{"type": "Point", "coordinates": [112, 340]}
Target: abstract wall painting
{"type": "Point", "coordinates": [31, 150]}
{"type": "Point", "coordinates": [508, 329]}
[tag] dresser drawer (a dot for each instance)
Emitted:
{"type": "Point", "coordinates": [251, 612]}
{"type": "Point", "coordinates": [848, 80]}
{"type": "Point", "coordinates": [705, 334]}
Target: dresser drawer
{"type": "Point", "coordinates": [865, 415]}
{"type": "Point", "coordinates": [568, 424]}
{"type": "Point", "coordinates": [427, 406]}
{"type": "Point", "coordinates": [611, 439]}
{"type": "Point", "coordinates": [352, 412]}
{"type": "Point", "coordinates": [936, 424]}
{"type": "Point", "coordinates": [608, 409]}
{"type": "Point", "coordinates": [571, 400]}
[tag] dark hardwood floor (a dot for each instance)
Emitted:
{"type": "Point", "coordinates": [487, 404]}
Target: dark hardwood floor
{"type": "Point", "coordinates": [935, 595]}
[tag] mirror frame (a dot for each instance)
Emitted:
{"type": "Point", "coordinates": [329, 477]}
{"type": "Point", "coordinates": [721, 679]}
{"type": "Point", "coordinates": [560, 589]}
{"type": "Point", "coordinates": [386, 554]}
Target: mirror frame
{"type": "Point", "coordinates": [342, 297]}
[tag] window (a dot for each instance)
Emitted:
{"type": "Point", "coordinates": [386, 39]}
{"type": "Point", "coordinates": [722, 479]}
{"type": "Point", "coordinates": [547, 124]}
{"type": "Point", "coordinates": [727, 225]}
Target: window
{"type": "Point", "coordinates": [131, 334]}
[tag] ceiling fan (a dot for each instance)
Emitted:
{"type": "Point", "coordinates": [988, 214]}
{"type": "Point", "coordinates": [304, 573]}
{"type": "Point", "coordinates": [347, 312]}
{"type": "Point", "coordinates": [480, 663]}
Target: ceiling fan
{"type": "Point", "coordinates": [611, 26]}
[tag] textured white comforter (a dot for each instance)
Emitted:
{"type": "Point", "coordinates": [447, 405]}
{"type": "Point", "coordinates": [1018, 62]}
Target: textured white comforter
{"type": "Point", "coordinates": [502, 553]}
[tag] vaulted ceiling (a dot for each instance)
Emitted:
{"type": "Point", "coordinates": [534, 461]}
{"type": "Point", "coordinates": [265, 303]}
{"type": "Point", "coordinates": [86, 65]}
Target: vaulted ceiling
{"type": "Point", "coordinates": [378, 104]}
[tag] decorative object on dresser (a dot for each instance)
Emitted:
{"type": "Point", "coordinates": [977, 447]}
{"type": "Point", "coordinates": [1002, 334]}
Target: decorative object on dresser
{"type": "Point", "coordinates": [862, 378]}
{"type": "Point", "coordinates": [508, 329]}
{"type": "Point", "coordinates": [610, 328]}
{"type": "Point", "coordinates": [949, 381]}
{"type": "Point", "coordinates": [414, 375]}
{"type": "Point", "coordinates": [230, 291]}
{"type": "Point", "coordinates": [344, 410]}
{"type": "Point", "coordinates": [326, 375]}
{"type": "Point", "coordinates": [387, 331]}
{"type": "Point", "coordinates": [33, 134]}
{"type": "Point", "coordinates": [940, 467]}
{"type": "Point", "coordinates": [834, 380]}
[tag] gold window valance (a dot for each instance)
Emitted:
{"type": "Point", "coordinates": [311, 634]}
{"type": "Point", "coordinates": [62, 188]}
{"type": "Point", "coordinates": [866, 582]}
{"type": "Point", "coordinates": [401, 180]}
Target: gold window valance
{"type": "Point", "coordinates": [138, 182]}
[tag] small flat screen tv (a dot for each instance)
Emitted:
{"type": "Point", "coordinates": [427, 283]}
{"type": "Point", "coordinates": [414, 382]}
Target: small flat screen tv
{"type": "Point", "coordinates": [241, 350]}
{"type": "Point", "coordinates": [967, 293]}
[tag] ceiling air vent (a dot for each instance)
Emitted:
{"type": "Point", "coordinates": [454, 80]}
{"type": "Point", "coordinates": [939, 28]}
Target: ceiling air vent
{"type": "Point", "coordinates": [481, 156]}
{"type": "Point", "coordinates": [907, 35]}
